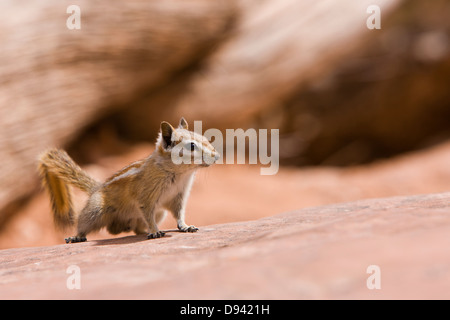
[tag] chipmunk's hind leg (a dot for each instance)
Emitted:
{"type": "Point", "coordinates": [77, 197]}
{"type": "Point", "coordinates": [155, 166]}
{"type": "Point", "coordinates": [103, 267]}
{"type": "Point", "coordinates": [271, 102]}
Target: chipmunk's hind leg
{"type": "Point", "coordinates": [90, 219]}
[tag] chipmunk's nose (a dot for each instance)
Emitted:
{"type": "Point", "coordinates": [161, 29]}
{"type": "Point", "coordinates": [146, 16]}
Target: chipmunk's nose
{"type": "Point", "coordinates": [217, 156]}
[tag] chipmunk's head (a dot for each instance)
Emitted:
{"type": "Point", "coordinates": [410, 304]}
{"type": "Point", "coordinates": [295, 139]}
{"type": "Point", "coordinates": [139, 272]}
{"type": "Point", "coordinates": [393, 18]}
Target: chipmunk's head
{"type": "Point", "coordinates": [185, 147]}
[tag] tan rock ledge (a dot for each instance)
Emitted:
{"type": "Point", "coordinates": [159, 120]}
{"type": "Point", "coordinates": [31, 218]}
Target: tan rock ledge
{"type": "Point", "coordinates": [400, 244]}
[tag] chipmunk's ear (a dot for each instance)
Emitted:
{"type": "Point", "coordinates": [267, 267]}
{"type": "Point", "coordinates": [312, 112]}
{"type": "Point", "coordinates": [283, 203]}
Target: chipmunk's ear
{"type": "Point", "coordinates": [166, 133]}
{"type": "Point", "coordinates": [183, 123]}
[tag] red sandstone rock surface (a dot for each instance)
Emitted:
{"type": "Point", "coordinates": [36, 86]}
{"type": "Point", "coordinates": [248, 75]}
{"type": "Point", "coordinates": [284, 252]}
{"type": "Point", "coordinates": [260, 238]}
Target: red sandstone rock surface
{"type": "Point", "coordinates": [319, 252]}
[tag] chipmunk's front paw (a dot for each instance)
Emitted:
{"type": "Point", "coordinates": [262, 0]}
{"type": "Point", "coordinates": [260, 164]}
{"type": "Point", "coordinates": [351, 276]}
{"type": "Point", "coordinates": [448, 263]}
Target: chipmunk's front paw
{"type": "Point", "coordinates": [75, 239]}
{"type": "Point", "coordinates": [189, 229]}
{"type": "Point", "coordinates": [155, 235]}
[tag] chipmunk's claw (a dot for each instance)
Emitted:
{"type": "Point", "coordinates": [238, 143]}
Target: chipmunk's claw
{"type": "Point", "coordinates": [155, 235]}
{"type": "Point", "coordinates": [189, 229]}
{"type": "Point", "coordinates": [75, 239]}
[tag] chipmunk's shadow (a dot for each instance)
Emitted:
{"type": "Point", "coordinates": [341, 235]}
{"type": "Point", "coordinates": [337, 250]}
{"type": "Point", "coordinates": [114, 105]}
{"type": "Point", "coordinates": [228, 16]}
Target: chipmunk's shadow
{"type": "Point", "coordinates": [129, 239]}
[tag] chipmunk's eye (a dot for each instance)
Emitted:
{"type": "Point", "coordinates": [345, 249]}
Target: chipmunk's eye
{"type": "Point", "coordinates": [191, 146]}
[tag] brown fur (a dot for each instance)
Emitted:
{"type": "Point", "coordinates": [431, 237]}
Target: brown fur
{"type": "Point", "coordinates": [57, 171]}
{"type": "Point", "coordinates": [133, 199]}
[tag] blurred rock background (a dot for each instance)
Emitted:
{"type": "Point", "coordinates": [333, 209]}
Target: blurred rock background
{"type": "Point", "coordinates": [362, 113]}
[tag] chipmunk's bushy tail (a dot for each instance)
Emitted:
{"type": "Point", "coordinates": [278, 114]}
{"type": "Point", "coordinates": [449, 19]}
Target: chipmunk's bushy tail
{"type": "Point", "coordinates": [57, 171]}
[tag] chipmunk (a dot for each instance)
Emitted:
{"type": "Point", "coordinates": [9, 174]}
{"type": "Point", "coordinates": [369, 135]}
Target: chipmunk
{"type": "Point", "coordinates": [137, 197]}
